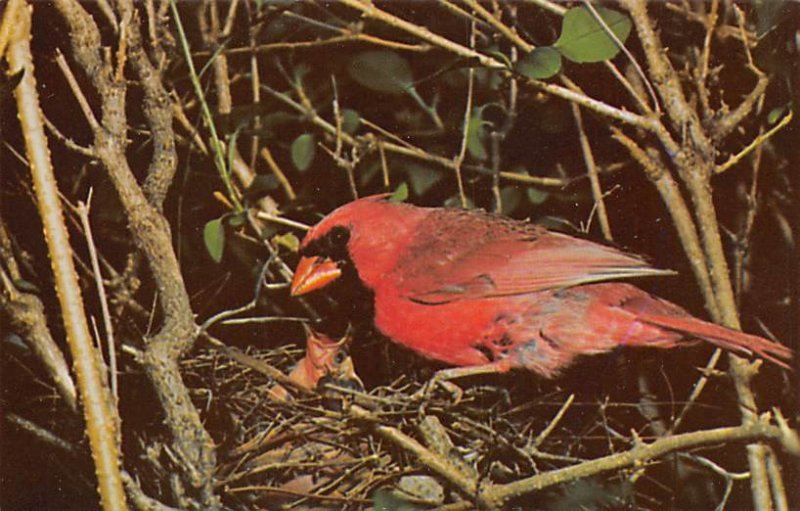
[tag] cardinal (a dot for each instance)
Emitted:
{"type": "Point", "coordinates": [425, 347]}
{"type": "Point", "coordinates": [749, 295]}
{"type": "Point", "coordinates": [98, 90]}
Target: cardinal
{"type": "Point", "coordinates": [490, 294]}
{"type": "Point", "coordinates": [326, 360]}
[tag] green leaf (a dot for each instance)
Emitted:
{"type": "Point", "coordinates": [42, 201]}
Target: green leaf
{"type": "Point", "coordinates": [499, 55]}
{"type": "Point", "coordinates": [260, 186]}
{"type": "Point", "coordinates": [584, 40]}
{"type": "Point", "coordinates": [454, 201]}
{"type": "Point", "coordinates": [400, 193]}
{"type": "Point", "coordinates": [537, 196]}
{"type": "Point", "coordinates": [382, 71]}
{"type": "Point", "coordinates": [235, 220]}
{"type": "Point", "coordinates": [540, 64]}
{"type": "Point", "coordinates": [476, 134]}
{"type": "Point", "coordinates": [288, 240]}
{"type": "Point", "coordinates": [26, 286]}
{"type": "Point", "coordinates": [214, 238]}
{"type": "Point", "coordinates": [776, 113]}
{"type": "Point", "coordinates": [350, 121]}
{"type": "Point", "coordinates": [300, 72]}
{"type": "Point", "coordinates": [510, 197]}
{"type": "Point", "coordinates": [422, 178]}
{"type": "Point", "coordinates": [16, 341]}
{"type": "Point", "coordinates": [488, 78]}
{"type": "Point", "coordinates": [304, 148]}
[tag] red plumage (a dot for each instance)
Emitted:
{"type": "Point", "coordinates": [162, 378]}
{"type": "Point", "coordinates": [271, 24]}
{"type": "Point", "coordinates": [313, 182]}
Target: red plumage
{"type": "Point", "coordinates": [469, 288]}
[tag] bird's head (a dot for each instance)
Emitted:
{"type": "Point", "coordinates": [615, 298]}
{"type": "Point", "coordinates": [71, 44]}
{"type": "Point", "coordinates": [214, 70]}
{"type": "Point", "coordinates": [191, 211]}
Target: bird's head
{"type": "Point", "coordinates": [326, 360]}
{"type": "Point", "coordinates": [363, 236]}
{"type": "Point", "coordinates": [326, 357]}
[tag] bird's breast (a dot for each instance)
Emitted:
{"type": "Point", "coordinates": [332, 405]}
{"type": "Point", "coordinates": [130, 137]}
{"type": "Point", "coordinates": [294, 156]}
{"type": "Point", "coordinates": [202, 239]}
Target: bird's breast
{"type": "Point", "coordinates": [445, 332]}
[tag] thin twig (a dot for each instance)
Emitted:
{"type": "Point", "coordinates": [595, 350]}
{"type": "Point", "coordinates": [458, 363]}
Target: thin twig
{"type": "Point", "coordinates": [501, 27]}
{"type": "Point", "coordinates": [462, 152]}
{"type": "Point", "coordinates": [76, 91]}
{"type": "Point", "coordinates": [279, 174]}
{"type": "Point", "coordinates": [759, 140]}
{"type": "Point", "coordinates": [594, 179]}
{"type": "Point", "coordinates": [83, 214]}
{"type": "Point", "coordinates": [551, 426]}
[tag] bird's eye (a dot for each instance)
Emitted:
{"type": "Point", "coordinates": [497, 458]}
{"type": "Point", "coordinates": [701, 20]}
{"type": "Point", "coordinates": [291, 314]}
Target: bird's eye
{"type": "Point", "coordinates": [340, 357]}
{"type": "Point", "coordinates": [340, 236]}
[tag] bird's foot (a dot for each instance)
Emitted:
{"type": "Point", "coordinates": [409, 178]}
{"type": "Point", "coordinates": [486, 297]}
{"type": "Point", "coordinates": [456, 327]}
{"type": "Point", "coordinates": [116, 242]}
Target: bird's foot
{"type": "Point", "coordinates": [443, 379]}
{"type": "Point", "coordinates": [424, 394]}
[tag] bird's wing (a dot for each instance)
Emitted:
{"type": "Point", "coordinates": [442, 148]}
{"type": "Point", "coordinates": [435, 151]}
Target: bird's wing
{"type": "Point", "coordinates": [473, 256]}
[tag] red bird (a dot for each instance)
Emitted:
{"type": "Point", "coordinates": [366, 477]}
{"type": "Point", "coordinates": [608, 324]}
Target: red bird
{"type": "Point", "coordinates": [473, 289]}
{"type": "Point", "coordinates": [325, 359]}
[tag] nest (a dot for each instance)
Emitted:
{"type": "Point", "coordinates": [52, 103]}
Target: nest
{"type": "Point", "coordinates": [399, 446]}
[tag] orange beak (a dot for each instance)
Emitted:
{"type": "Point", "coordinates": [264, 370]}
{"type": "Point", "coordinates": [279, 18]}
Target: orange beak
{"type": "Point", "coordinates": [313, 273]}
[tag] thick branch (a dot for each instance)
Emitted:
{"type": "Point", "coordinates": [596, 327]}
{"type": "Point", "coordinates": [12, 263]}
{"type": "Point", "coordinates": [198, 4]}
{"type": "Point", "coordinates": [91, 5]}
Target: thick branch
{"type": "Point", "coordinates": [499, 495]}
{"type": "Point", "coordinates": [151, 234]}
{"type": "Point", "coordinates": [101, 417]}
{"type": "Point", "coordinates": [157, 108]}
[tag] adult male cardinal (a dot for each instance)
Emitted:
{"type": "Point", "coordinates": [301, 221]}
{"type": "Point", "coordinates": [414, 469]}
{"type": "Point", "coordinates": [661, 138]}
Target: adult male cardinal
{"type": "Point", "coordinates": [473, 289]}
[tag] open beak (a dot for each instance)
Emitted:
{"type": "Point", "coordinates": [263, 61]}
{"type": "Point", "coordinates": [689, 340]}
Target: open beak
{"type": "Point", "coordinates": [326, 357]}
{"type": "Point", "coordinates": [313, 273]}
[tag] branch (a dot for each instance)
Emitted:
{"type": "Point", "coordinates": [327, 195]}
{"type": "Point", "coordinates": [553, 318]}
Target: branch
{"type": "Point", "coordinates": [759, 140]}
{"type": "Point", "coordinates": [26, 316]}
{"type": "Point", "coordinates": [101, 418]}
{"type": "Point", "coordinates": [695, 166]}
{"type": "Point", "coordinates": [638, 455]}
{"type": "Point", "coordinates": [151, 234]}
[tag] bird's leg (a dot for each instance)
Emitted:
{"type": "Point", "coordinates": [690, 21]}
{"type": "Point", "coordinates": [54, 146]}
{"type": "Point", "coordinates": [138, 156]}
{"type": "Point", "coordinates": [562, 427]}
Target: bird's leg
{"type": "Point", "coordinates": [444, 377]}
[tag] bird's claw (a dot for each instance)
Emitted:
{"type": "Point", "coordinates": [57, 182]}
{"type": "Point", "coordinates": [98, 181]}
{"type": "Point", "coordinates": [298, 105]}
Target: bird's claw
{"type": "Point", "coordinates": [424, 394]}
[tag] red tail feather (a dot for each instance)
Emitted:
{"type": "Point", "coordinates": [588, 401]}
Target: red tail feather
{"type": "Point", "coordinates": [723, 337]}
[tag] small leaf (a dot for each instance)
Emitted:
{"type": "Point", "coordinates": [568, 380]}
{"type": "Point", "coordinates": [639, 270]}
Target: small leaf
{"type": "Point", "coordinates": [300, 72]}
{"type": "Point", "coordinates": [454, 201]}
{"type": "Point", "coordinates": [214, 238]}
{"type": "Point", "coordinates": [400, 193]}
{"type": "Point", "coordinates": [422, 178]}
{"type": "Point", "coordinates": [350, 121]}
{"type": "Point", "coordinates": [476, 134]}
{"type": "Point", "coordinates": [499, 55]}
{"type": "Point", "coordinates": [537, 196]}
{"type": "Point", "coordinates": [584, 40]}
{"type": "Point", "coordinates": [16, 341]}
{"type": "Point", "coordinates": [26, 286]}
{"type": "Point", "coordinates": [304, 148]}
{"type": "Point", "coordinates": [488, 78]}
{"type": "Point", "coordinates": [382, 71]}
{"type": "Point", "coordinates": [235, 220]}
{"type": "Point", "coordinates": [261, 185]}
{"type": "Point", "coordinates": [287, 240]}
{"type": "Point", "coordinates": [776, 113]}
{"type": "Point", "coordinates": [510, 197]}
{"type": "Point", "coordinates": [540, 64]}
